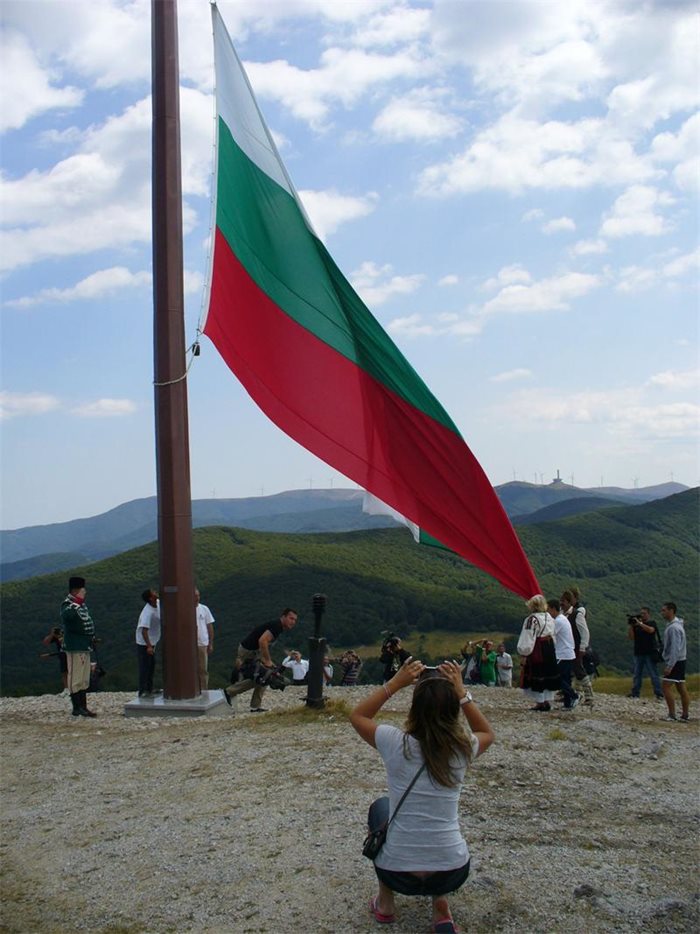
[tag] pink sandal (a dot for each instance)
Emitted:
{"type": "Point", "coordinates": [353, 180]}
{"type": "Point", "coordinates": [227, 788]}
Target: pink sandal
{"type": "Point", "coordinates": [378, 916]}
{"type": "Point", "coordinates": [445, 926]}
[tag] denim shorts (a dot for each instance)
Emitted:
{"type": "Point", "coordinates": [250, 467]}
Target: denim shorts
{"type": "Point", "coordinates": [437, 883]}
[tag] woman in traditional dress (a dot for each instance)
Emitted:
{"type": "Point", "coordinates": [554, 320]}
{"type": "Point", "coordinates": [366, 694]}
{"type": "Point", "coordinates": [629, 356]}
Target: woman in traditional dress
{"type": "Point", "coordinates": [425, 852]}
{"type": "Point", "coordinates": [539, 676]}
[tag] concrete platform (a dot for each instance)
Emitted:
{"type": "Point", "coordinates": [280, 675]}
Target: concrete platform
{"type": "Point", "coordinates": [208, 704]}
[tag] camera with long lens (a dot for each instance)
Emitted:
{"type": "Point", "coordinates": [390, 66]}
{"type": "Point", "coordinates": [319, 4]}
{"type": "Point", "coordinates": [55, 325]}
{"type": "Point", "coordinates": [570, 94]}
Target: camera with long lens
{"type": "Point", "coordinates": [391, 644]}
{"type": "Point", "coordinates": [271, 677]}
{"type": "Point", "coordinates": [633, 620]}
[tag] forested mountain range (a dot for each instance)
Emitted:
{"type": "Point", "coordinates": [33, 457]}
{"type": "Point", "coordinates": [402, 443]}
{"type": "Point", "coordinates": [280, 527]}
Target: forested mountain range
{"type": "Point", "coordinates": [44, 548]}
{"type": "Point", "coordinates": [375, 580]}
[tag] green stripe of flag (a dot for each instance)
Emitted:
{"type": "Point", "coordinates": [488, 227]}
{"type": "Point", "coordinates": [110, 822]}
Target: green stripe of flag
{"type": "Point", "coordinates": [265, 229]}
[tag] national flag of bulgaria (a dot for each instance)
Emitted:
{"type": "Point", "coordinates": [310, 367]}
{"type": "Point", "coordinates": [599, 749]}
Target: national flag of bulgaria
{"type": "Point", "coordinates": [315, 360]}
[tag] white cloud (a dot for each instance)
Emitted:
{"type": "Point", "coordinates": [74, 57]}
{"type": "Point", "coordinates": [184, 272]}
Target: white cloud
{"type": "Point", "coordinates": [20, 404]}
{"type": "Point", "coordinates": [621, 412]}
{"type": "Point", "coordinates": [418, 115]}
{"type": "Point", "coordinates": [533, 215]}
{"type": "Point", "coordinates": [327, 210]}
{"type": "Point", "coordinates": [636, 212]}
{"type": "Point", "coordinates": [509, 376]}
{"type": "Point", "coordinates": [558, 224]}
{"type": "Point", "coordinates": [105, 408]}
{"type": "Point", "coordinates": [376, 284]}
{"type": "Point", "coordinates": [667, 83]}
{"type": "Point", "coordinates": [676, 380]}
{"type": "Point", "coordinates": [688, 262]}
{"type": "Point", "coordinates": [507, 275]}
{"type": "Point", "coordinates": [588, 247]}
{"type": "Point", "coordinates": [398, 25]}
{"type": "Point", "coordinates": [640, 278]}
{"type": "Point", "coordinates": [517, 293]}
{"type": "Point", "coordinates": [193, 281]}
{"type": "Point", "coordinates": [410, 326]}
{"type": "Point", "coordinates": [100, 196]}
{"type": "Point", "coordinates": [682, 148]}
{"type": "Point", "coordinates": [343, 77]}
{"type": "Point", "coordinates": [103, 282]}
{"type": "Point", "coordinates": [552, 294]}
{"type": "Point", "coordinates": [27, 89]}
{"type": "Point", "coordinates": [514, 154]}
{"type": "Point", "coordinates": [675, 420]}
{"type": "Point", "coordinates": [448, 280]}
{"type": "Point", "coordinates": [636, 279]}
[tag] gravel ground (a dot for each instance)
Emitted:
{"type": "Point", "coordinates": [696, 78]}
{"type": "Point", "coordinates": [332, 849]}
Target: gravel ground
{"type": "Point", "coordinates": [253, 823]}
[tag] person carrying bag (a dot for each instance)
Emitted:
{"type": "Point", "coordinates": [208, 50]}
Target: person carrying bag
{"type": "Point", "coordinates": [425, 853]}
{"type": "Point", "coordinates": [378, 821]}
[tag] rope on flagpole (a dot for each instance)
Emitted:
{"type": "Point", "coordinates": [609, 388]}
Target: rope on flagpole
{"type": "Point", "coordinates": [195, 350]}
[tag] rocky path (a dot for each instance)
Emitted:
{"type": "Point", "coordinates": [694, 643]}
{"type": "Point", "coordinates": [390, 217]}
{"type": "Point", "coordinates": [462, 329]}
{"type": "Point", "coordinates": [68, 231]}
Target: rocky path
{"type": "Point", "coordinates": [253, 823]}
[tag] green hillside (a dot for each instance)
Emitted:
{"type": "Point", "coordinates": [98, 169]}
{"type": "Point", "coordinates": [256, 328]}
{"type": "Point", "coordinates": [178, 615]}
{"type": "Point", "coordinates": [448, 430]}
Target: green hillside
{"type": "Point", "coordinates": [374, 580]}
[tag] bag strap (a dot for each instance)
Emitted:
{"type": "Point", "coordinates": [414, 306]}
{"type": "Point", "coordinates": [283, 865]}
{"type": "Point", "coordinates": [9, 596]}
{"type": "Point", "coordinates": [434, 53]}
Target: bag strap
{"type": "Point", "coordinates": [403, 796]}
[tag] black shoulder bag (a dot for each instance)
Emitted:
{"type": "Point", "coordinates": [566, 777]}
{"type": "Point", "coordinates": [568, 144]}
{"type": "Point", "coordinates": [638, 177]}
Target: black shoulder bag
{"type": "Point", "coordinates": [374, 840]}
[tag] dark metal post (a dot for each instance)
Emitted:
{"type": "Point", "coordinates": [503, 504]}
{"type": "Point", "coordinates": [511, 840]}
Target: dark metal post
{"type": "Point", "coordinates": [180, 681]}
{"type": "Point", "coordinates": [317, 649]}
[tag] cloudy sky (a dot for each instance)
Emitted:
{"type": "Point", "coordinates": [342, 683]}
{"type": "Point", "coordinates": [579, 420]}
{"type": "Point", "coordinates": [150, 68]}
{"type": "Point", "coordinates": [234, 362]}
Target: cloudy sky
{"type": "Point", "coordinates": [511, 185]}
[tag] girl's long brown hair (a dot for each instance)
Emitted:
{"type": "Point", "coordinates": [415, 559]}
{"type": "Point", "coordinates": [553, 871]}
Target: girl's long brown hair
{"type": "Point", "coordinates": [434, 720]}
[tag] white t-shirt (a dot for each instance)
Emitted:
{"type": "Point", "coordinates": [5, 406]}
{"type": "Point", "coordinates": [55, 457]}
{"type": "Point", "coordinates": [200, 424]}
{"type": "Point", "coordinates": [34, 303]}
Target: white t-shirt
{"type": "Point", "coordinates": [299, 668]}
{"type": "Point", "coordinates": [504, 666]}
{"type": "Point", "coordinates": [204, 619]}
{"type": "Point", "coordinates": [564, 647]}
{"type": "Point", "coordinates": [425, 836]}
{"type": "Point", "coordinates": [150, 620]}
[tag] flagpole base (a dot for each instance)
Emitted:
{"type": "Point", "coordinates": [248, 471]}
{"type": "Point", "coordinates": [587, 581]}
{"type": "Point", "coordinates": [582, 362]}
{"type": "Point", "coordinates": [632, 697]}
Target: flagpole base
{"type": "Point", "coordinates": [208, 704]}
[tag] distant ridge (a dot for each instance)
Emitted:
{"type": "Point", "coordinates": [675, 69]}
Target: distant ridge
{"type": "Point", "coordinates": [28, 551]}
{"type": "Point", "coordinates": [576, 506]}
{"type": "Point", "coordinates": [375, 580]}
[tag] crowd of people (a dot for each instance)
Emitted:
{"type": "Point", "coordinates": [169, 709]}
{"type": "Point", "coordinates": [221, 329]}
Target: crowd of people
{"type": "Point", "coordinates": [426, 761]}
{"type": "Point", "coordinates": [557, 660]}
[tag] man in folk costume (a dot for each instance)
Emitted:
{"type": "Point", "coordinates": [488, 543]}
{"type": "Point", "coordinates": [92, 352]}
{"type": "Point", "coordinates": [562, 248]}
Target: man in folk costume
{"type": "Point", "coordinates": [79, 636]}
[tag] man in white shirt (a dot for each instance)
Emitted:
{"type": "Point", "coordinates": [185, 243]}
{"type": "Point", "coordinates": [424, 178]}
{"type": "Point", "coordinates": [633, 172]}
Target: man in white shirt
{"type": "Point", "coordinates": [298, 665]}
{"type": "Point", "coordinates": [327, 671]}
{"type": "Point", "coordinates": [205, 640]}
{"type": "Point", "coordinates": [565, 652]}
{"type": "Point", "coordinates": [147, 638]}
{"type": "Point", "coordinates": [504, 667]}
{"type": "Point", "coordinates": [575, 612]}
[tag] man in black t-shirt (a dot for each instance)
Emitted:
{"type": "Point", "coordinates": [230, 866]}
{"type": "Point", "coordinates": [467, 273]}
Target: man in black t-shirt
{"type": "Point", "coordinates": [643, 630]}
{"type": "Point", "coordinates": [256, 648]}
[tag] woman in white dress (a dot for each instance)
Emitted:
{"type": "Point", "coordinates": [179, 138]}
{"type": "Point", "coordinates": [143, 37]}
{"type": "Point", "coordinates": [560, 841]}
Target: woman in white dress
{"type": "Point", "coordinates": [425, 852]}
{"type": "Point", "coordinates": [539, 676]}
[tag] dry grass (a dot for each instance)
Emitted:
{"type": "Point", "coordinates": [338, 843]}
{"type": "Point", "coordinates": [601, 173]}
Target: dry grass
{"type": "Point", "coordinates": [615, 684]}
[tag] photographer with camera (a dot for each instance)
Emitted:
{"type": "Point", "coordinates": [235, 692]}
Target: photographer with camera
{"type": "Point", "coordinates": [350, 665]}
{"type": "Point", "coordinates": [647, 645]}
{"type": "Point", "coordinates": [253, 661]}
{"type": "Point", "coordinates": [392, 656]}
{"type": "Point", "coordinates": [424, 852]}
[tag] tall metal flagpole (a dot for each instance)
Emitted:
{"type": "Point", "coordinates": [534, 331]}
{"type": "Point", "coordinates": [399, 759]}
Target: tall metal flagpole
{"type": "Point", "coordinates": [180, 679]}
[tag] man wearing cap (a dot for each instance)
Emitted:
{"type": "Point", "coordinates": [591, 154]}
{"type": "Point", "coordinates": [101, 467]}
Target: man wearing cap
{"type": "Point", "coordinates": [78, 638]}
